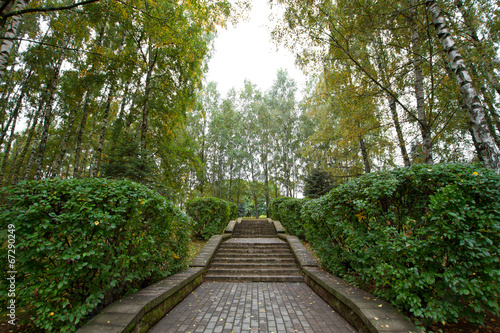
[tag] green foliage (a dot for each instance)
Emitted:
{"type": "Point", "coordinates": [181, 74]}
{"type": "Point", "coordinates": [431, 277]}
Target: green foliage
{"type": "Point", "coordinates": [233, 211]}
{"type": "Point", "coordinates": [317, 183]}
{"type": "Point", "coordinates": [127, 160]}
{"type": "Point", "coordinates": [210, 215]}
{"type": "Point", "coordinates": [274, 207]}
{"type": "Point", "coordinates": [288, 212]}
{"type": "Point", "coordinates": [80, 244]}
{"type": "Point", "coordinates": [425, 238]}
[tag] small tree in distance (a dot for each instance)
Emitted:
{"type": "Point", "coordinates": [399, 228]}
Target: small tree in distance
{"type": "Point", "coordinates": [317, 183]}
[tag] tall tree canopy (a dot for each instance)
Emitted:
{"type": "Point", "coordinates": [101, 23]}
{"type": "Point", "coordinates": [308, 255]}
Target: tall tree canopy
{"type": "Point", "coordinates": [115, 88]}
{"type": "Point", "coordinates": [86, 83]}
{"type": "Point", "coordinates": [418, 66]}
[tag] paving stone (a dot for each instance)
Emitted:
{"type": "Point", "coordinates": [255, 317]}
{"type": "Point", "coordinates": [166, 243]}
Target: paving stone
{"type": "Point", "coordinates": [252, 307]}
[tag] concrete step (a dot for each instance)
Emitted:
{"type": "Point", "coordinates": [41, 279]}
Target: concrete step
{"type": "Point", "coordinates": [244, 255]}
{"type": "Point", "coordinates": [261, 250]}
{"type": "Point", "coordinates": [253, 278]}
{"type": "Point", "coordinates": [254, 261]}
{"type": "Point", "coordinates": [254, 271]}
{"type": "Point", "coordinates": [253, 246]}
{"type": "Point", "coordinates": [251, 229]}
{"type": "Point", "coordinates": [238, 265]}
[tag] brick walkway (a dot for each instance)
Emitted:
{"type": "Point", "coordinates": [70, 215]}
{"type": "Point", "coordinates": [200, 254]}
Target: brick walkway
{"type": "Point", "coordinates": [252, 307]}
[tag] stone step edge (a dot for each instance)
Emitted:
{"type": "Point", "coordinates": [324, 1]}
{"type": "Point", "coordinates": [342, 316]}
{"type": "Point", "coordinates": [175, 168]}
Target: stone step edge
{"type": "Point", "coordinates": [365, 312]}
{"type": "Point", "coordinates": [230, 226]}
{"type": "Point", "coordinates": [253, 270]}
{"type": "Point", "coordinates": [142, 310]}
{"type": "Point", "coordinates": [260, 265]}
{"type": "Point", "coordinates": [254, 278]}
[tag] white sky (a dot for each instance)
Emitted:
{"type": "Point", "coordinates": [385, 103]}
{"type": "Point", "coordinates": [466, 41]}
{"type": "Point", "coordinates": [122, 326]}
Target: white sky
{"type": "Point", "coordinates": [245, 51]}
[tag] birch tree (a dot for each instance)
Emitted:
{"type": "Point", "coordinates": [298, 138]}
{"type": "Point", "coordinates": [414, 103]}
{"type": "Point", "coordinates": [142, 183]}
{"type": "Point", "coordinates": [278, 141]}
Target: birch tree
{"type": "Point", "coordinates": [485, 141]}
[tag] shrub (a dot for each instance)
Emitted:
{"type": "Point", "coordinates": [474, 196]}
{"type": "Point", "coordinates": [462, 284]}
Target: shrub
{"type": "Point", "coordinates": [82, 243]}
{"type": "Point", "coordinates": [233, 208]}
{"type": "Point", "coordinates": [210, 216]}
{"type": "Point", "coordinates": [274, 208]}
{"type": "Point", "coordinates": [425, 238]}
{"type": "Point", "coordinates": [289, 216]}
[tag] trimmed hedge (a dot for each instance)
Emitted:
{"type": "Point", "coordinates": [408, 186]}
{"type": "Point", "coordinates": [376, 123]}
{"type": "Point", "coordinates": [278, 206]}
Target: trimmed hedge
{"type": "Point", "coordinates": [82, 243]}
{"type": "Point", "coordinates": [210, 216]}
{"type": "Point", "coordinates": [425, 238]}
{"type": "Point", "coordinates": [273, 208]}
{"type": "Point", "coordinates": [233, 211]}
{"type": "Point", "coordinates": [288, 212]}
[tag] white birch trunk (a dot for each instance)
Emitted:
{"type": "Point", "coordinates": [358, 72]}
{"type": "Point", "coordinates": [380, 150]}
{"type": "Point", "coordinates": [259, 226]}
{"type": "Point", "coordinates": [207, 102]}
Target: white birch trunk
{"type": "Point", "coordinates": [477, 116]}
{"type": "Point", "coordinates": [419, 88]}
{"type": "Point", "coordinates": [10, 33]}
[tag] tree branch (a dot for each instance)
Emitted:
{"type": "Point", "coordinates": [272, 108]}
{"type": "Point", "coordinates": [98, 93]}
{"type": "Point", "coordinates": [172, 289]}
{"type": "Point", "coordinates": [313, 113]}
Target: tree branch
{"type": "Point", "coordinates": [46, 10]}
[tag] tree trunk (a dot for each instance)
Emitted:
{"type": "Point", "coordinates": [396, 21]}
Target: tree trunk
{"type": "Point", "coordinates": [476, 145]}
{"type": "Point", "coordinates": [86, 160]}
{"type": "Point", "coordinates": [490, 114]}
{"type": "Point", "coordinates": [486, 143]}
{"type": "Point", "coordinates": [490, 75]}
{"type": "Point", "coordinates": [491, 108]}
{"type": "Point", "coordinates": [5, 7]}
{"type": "Point", "coordinates": [18, 168]}
{"type": "Point", "coordinates": [55, 170]}
{"type": "Point", "coordinates": [13, 121]}
{"type": "Point", "coordinates": [47, 117]}
{"type": "Point", "coordinates": [392, 104]}
{"type": "Point", "coordinates": [202, 180]}
{"type": "Point", "coordinates": [364, 153]}
{"type": "Point", "coordinates": [399, 132]}
{"type": "Point", "coordinates": [255, 200]}
{"type": "Point", "coordinates": [9, 141]}
{"type": "Point", "coordinates": [13, 116]}
{"type": "Point", "coordinates": [147, 91]}
{"type": "Point", "coordinates": [10, 33]}
{"type": "Point", "coordinates": [266, 183]}
{"type": "Point", "coordinates": [103, 132]}
{"type": "Point", "coordinates": [79, 135]}
{"type": "Point", "coordinates": [419, 88]}
{"type": "Point", "coordinates": [29, 164]}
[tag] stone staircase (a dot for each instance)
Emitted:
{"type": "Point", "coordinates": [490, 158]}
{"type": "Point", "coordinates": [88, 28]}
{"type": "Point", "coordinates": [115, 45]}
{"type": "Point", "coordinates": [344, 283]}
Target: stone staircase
{"type": "Point", "coordinates": [254, 254]}
{"type": "Point", "coordinates": [254, 229]}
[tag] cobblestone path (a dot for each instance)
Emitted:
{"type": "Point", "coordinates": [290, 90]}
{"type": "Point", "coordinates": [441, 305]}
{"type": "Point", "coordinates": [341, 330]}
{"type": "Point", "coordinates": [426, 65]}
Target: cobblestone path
{"type": "Point", "coordinates": [252, 307]}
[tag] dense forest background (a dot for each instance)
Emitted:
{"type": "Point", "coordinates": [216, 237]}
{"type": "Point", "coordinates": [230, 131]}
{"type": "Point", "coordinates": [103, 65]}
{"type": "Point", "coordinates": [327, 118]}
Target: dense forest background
{"type": "Point", "coordinates": [114, 88]}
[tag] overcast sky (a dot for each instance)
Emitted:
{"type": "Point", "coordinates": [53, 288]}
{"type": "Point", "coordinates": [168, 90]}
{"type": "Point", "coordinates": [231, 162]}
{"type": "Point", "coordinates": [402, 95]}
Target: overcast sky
{"type": "Point", "coordinates": [245, 51]}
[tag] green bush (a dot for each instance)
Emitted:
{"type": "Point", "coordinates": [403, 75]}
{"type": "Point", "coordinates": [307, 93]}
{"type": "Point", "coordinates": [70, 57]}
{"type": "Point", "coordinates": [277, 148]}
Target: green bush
{"type": "Point", "coordinates": [425, 238]}
{"type": "Point", "coordinates": [233, 211]}
{"type": "Point", "coordinates": [210, 216]}
{"type": "Point", "coordinates": [273, 208]}
{"type": "Point", "coordinates": [288, 213]}
{"type": "Point", "coordinates": [82, 243]}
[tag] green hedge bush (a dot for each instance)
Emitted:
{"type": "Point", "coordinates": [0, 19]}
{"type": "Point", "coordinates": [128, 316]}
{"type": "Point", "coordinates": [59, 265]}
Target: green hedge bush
{"type": "Point", "coordinates": [233, 211]}
{"type": "Point", "coordinates": [210, 216]}
{"type": "Point", "coordinates": [288, 212]}
{"type": "Point", "coordinates": [82, 243]}
{"type": "Point", "coordinates": [425, 238]}
{"type": "Point", "coordinates": [273, 208]}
